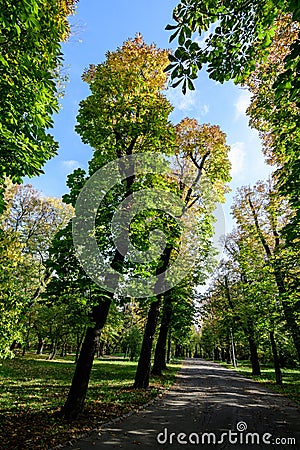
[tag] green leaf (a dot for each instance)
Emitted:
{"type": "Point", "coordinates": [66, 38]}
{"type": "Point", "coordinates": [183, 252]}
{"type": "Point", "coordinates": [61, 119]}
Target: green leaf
{"type": "Point", "coordinates": [191, 85]}
{"type": "Point", "coordinates": [171, 27]}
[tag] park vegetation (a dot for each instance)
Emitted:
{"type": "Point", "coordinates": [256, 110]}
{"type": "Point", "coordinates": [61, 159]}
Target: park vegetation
{"type": "Point", "coordinates": [103, 352]}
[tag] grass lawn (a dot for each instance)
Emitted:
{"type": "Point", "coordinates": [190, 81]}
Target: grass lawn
{"type": "Point", "coordinates": [290, 379]}
{"type": "Point", "coordinates": [32, 389]}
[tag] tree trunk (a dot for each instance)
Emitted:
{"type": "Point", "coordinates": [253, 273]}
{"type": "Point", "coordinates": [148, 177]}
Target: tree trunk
{"type": "Point", "coordinates": [63, 351]}
{"type": "Point", "coordinates": [160, 351]}
{"type": "Point", "coordinates": [142, 375]}
{"type": "Point", "coordinates": [223, 354]}
{"type": "Point", "coordinates": [79, 340]}
{"type": "Point", "coordinates": [53, 351]}
{"type": "Point", "coordinates": [254, 356]}
{"type": "Point", "coordinates": [40, 346]}
{"type": "Point", "coordinates": [76, 397]}
{"type": "Point", "coordinates": [275, 359]}
{"type": "Point", "coordinates": [292, 325]}
{"type": "Point", "coordinates": [15, 344]}
{"type": "Point", "coordinates": [249, 330]}
{"type": "Point", "coordinates": [217, 354]}
{"type": "Point", "coordinates": [169, 347]}
{"type": "Point", "coordinates": [233, 352]}
{"type": "Point", "coordinates": [143, 369]}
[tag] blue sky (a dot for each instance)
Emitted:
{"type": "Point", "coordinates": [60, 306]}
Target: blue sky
{"type": "Point", "coordinates": [101, 26]}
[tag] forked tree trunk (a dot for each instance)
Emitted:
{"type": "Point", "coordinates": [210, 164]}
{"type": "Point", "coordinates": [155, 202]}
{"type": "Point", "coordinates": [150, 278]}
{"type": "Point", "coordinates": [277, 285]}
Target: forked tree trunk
{"type": "Point", "coordinates": [160, 351]}
{"type": "Point", "coordinates": [142, 375]}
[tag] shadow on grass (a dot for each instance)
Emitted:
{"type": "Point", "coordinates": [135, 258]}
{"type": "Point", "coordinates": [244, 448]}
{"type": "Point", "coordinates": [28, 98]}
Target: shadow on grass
{"type": "Point", "coordinates": [33, 390]}
{"type": "Point", "coordinates": [290, 379]}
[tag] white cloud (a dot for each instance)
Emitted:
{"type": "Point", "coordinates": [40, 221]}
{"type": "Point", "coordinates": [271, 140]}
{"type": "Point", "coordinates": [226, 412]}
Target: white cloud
{"type": "Point", "coordinates": [242, 103]}
{"type": "Point", "coordinates": [70, 165]}
{"type": "Point", "coordinates": [237, 157]}
{"type": "Point", "coordinates": [188, 102]}
{"type": "Point", "coordinates": [205, 110]}
{"type": "Point", "coordinates": [182, 102]}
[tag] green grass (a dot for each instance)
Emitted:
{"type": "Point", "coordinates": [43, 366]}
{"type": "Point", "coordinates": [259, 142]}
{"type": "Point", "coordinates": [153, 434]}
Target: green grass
{"type": "Point", "coordinates": [290, 379]}
{"type": "Point", "coordinates": [32, 389]}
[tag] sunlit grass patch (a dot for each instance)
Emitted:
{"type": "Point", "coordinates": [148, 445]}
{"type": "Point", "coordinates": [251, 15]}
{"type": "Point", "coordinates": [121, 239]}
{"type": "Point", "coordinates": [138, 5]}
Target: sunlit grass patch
{"type": "Point", "coordinates": [32, 389]}
{"type": "Point", "coordinates": [290, 379]}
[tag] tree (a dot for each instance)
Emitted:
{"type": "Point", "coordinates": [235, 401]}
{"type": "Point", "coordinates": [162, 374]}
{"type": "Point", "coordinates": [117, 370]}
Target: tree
{"type": "Point", "coordinates": [201, 170]}
{"type": "Point", "coordinates": [15, 277]}
{"type": "Point", "coordinates": [28, 225]}
{"type": "Point", "coordinates": [261, 213]}
{"type": "Point", "coordinates": [125, 114]}
{"type": "Point", "coordinates": [30, 60]}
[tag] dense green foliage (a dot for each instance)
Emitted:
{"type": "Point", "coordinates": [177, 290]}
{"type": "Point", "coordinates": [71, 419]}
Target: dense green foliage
{"type": "Point", "coordinates": [254, 296]}
{"type": "Point", "coordinates": [249, 42]}
{"type": "Point", "coordinates": [27, 228]}
{"type": "Point", "coordinates": [30, 60]}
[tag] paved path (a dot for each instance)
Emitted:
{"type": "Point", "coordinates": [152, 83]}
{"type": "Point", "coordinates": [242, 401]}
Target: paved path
{"type": "Point", "coordinates": [207, 398]}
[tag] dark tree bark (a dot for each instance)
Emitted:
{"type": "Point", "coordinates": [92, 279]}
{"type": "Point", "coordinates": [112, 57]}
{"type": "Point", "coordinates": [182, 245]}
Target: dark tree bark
{"type": "Point", "coordinates": [249, 331]}
{"type": "Point", "coordinates": [169, 347]}
{"type": "Point", "coordinates": [254, 356]}
{"type": "Point", "coordinates": [143, 369]}
{"type": "Point", "coordinates": [15, 344]}
{"type": "Point", "coordinates": [142, 375]}
{"type": "Point", "coordinates": [63, 351]}
{"type": "Point", "coordinates": [278, 374]}
{"type": "Point", "coordinates": [223, 354]}
{"type": "Point", "coordinates": [79, 340]}
{"type": "Point", "coordinates": [217, 354]}
{"type": "Point", "coordinates": [160, 351]}
{"type": "Point", "coordinates": [76, 397]}
{"type": "Point", "coordinates": [288, 311]}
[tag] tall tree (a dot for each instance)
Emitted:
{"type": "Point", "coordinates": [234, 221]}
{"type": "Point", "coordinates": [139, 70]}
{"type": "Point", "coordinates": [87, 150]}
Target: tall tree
{"type": "Point", "coordinates": [202, 170]}
{"type": "Point", "coordinates": [260, 213]}
{"type": "Point", "coordinates": [125, 114]}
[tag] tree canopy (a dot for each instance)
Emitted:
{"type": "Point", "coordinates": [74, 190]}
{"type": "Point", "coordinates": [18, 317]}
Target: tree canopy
{"type": "Point", "coordinates": [256, 43]}
{"type": "Point", "coordinates": [30, 63]}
